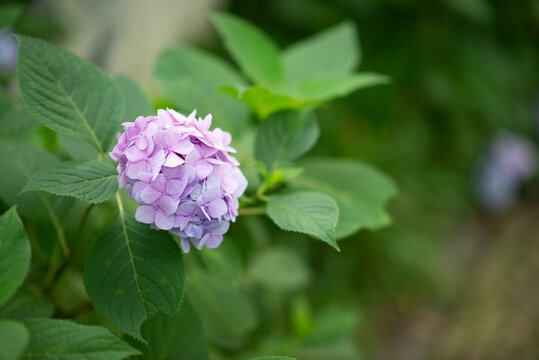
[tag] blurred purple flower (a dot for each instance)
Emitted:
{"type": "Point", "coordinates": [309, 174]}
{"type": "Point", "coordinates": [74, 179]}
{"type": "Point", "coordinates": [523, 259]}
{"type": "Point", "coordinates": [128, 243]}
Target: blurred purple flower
{"type": "Point", "coordinates": [508, 163]}
{"type": "Point", "coordinates": [8, 50]}
{"type": "Point", "coordinates": [181, 174]}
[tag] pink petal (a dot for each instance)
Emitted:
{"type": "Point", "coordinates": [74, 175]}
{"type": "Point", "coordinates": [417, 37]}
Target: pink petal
{"type": "Point", "coordinates": [133, 153]}
{"type": "Point", "coordinates": [183, 146]}
{"type": "Point", "coordinates": [173, 160]}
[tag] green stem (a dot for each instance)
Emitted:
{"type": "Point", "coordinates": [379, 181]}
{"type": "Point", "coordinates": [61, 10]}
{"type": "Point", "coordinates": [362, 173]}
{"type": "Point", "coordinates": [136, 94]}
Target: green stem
{"type": "Point", "coordinates": [252, 211]}
{"type": "Point", "coordinates": [56, 224]}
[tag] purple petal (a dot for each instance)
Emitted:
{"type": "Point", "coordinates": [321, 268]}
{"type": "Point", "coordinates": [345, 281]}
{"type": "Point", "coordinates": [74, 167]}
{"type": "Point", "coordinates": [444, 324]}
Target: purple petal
{"type": "Point", "coordinates": [164, 221]}
{"type": "Point", "coordinates": [167, 205]}
{"type": "Point", "coordinates": [175, 186]}
{"type": "Point", "coordinates": [133, 153]}
{"type": "Point", "coordinates": [186, 246]}
{"type": "Point", "coordinates": [149, 195]}
{"type": "Point", "coordinates": [214, 241]}
{"type": "Point", "coordinates": [145, 214]}
{"type": "Point", "coordinates": [203, 169]}
{"type": "Point", "coordinates": [216, 208]}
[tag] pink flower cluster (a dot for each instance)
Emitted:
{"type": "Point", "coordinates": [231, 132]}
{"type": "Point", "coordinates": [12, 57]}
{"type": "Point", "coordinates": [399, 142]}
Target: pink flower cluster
{"type": "Point", "coordinates": [181, 174]}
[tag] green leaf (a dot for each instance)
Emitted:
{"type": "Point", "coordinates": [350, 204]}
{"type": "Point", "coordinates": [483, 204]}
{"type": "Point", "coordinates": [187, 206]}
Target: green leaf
{"type": "Point", "coordinates": [224, 260]}
{"type": "Point", "coordinates": [262, 101]}
{"type": "Point", "coordinates": [25, 307]}
{"type": "Point", "coordinates": [323, 90]}
{"type": "Point", "coordinates": [17, 122]}
{"type": "Point", "coordinates": [330, 53]}
{"type": "Point", "coordinates": [191, 79]}
{"type": "Point", "coordinates": [253, 50]}
{"type": "Point", "coordinates": [176, 337]}
{"type": "Point", "coordinates": [226, 313]}
{"type": "Point", "coordinates": [52, 339]}
{"type": "Point", "coordinates": [360, 191]}
{"type": "Point", "coordinates": [306, 212]}
{"type": "Point", "coordinates": [9, 13]}
{"type": "Point", "coordinates": [135, 102]}
{"type": "Point", "coordinates": [284, 137]}
{"type": "Point", "coordinates": [280, 269]}
{"type": "Point", "coordinates": [76, 149]}
{"type": "Point", "coordinates": [132, 272]}
{"type": "Point", "coordinates": [13, 339]}
{"type": "Point", "coordinates": [14, 252]}
{"type": "Point", "coordinates": [273, 358]}
{"type": "Point", "coordinates": [20, 161]}
{"type": "Point", "coordinates": [90, 181]}
{"type": "Point", "coordinates": [68, 94]}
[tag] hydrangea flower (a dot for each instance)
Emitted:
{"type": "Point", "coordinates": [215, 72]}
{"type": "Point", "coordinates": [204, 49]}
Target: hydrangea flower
{"type": "Point", "coordinates": [182, 175]}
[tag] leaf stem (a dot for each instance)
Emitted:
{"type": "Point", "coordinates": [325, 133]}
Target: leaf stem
{"type": "Point", "coordinates": [56, 224]}
{"type": "Point", "coordinates": [120, 205]}
{"type": "Point", "coordinates": [252, 211]}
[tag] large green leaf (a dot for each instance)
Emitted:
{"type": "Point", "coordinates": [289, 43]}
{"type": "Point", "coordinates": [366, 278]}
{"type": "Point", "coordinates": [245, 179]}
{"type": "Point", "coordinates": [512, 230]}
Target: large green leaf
{"type": "Point", "coordinates": [262, 101]}
{"type": "Point", "coordinates": [284, 137]}
{"type": "Point", "coordinates": [176, 337]}
{"type": "Point", "coordinates": [13, 339]}
{"type": "Point", "coordinates": [253, 50]}
{"type": "Point", "coordinates": [322, 90]}
{"type": "Point", "coordinates": [280, 269]}
{"type": "Point", "coordinates": [14, 252]}
{"type": "Point", "coordinates": [91, 181]}
{"type": "Point", "coordinates": [191, 79]}
{"type": "Point", "coordinates": [330, 53]}
{"type": "Point", "coordinates": [360, 191]}
{"type": "Point", "coordinates": [306, 212]}
{"type": "Point", "coordinates": [226, 313]}
{"type": "Point", "coordinates": [67, 93]}
{"type": "Point", "coordinates": [135, 101]}
{"type": "Point", "coordinates": [132, 272]}
{"type": "Point", "coordinates": [53, 339]}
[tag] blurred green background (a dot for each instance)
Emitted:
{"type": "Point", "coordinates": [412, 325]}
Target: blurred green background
{"type": "Point", "coordinates": [453, 277]}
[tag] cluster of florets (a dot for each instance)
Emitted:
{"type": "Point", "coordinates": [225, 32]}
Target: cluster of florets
{"type": "Point", "coordinates": [181, 174]}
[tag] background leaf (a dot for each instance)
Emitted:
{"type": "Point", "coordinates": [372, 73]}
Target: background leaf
{"type": "Point", "coordinates": [176, 337]}
{"type": "Point", "coordinates": [133, 271]}
{"type": "Point", "coordinates": [360, 191]}
{"type": "Point", "coordinates": [284, 137]}
{"type": "Point", "coordinates": [9, 13]}
{"type": "Point", "coordinates": [254, 51]}
{"type": "Point", "coordinates": [13, 339]}
{"type": "Point", "coordinates": [91, 181]}
{"type": "Point", "coordinates": [135, 102]}
{"type": "Point", "coordinates": [306, 212]}
{"type": "Point", "coordinates": [262, 101]}
{"type": "Point", "coordinates": [14, 252]}
{"type": "Point", "coordinates": [68, 94]}
{"type": "Point", "coordinates": [329, 53]}
{"type": "Point", "coordinates": [191, 79]}
{"type": "Point", "coordinates": [224, 260]}
{"type": "Point", "coordinates": [280, 269]}
{"type": "Point", "coordinates": [273, 358]}
{"type": "Point", "coordinates": [63, 339]}
{"type": "Point", "coordinates": [226, 313]}
{"type": "Point", "coordinates": [322, 90]}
